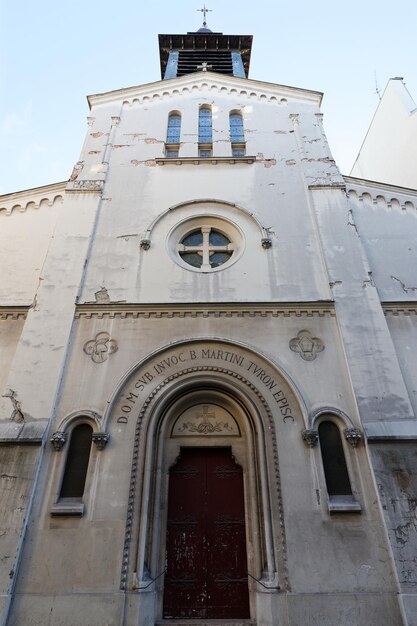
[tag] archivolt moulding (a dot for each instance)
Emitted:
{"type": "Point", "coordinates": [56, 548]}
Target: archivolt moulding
{"type": "Point", "coordinates": [60, 437]}
{"type": "Point", "coordinates": [89, 416]}
{"type": "Point", "coordinates": [153, 406]}
{"type": "Point", "coordinates": [330, 410]}
{"type": "Point", "coordinates": [263, 231]}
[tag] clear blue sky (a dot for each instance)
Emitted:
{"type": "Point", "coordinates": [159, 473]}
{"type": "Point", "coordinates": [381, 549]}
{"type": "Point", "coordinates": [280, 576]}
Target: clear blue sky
{"type": "Point", "coordinates": [55, 53]}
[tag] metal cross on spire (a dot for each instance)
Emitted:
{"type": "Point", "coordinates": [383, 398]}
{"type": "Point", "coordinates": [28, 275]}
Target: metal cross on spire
{"type": "Point", "coordinates": [205, 11]}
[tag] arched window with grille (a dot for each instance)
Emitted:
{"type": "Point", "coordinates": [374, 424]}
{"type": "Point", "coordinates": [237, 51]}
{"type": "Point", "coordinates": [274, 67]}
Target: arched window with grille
{"type": "Point", "coordinates": [237, 134]}
{"type": "Point", "coordinates": [172, 144]}
{"type": "Point", "coordinates": [335, 469]}
{"type": "Point", "coordinates": [205, 132]}
{"type": "Point", "coordinates": [75, 472]}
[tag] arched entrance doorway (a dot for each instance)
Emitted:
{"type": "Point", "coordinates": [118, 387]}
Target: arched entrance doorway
{"type": "Point", "coordinates": [212, 484]}
{"type": "Point", "coordinates": [206, 555]}
{"type": "Point", "coordinates": [205, 395]}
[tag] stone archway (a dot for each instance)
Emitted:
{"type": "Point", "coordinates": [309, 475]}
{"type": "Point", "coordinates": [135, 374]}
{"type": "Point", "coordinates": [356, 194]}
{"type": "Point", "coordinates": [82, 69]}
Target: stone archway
{"type": "Point", "coordinates": [207, 423]}
{"type": "Point", "coordinates": [253, 402]}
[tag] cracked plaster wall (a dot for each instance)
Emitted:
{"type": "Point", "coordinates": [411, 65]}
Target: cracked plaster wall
{"type": "Point", "coordinates": [372, 360]}
{"type": "Point", "coordinates": [10, 332]}
{"type": "Point", "coordinates": [138, 190]}
{"type": "Point", "coordinates": [17, 468]}
{"type": "Point", "coordinates": [386, 222]}
{"type": "Point", "coordinates": [395, 467]}
{"type": "Point", "coordinates": [403, 329]}
{"type": "Point", "coordinates": [25, 236]}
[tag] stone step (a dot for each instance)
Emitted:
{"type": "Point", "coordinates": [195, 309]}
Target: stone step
{"type": "Point", "coordinates": [206, 622]}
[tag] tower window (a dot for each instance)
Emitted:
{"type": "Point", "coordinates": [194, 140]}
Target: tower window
{"type": "Point", "coordinates": [237, 135]}
{"type": "Point", "coordinates": [172, 144]}
{"type": "Point", "coordinates": [335, 469]}
{"type": "Point", "coordinates": [205, 132]}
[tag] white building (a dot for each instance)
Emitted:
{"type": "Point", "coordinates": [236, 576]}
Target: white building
{"type": "Point", "coordinates": [207, 339]}
{"type": "Point", "coordinates": [389, 150]}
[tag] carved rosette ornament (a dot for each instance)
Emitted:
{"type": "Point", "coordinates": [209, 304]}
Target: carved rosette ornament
{"type": "Point", "coordinates": [100, 347]}
{"type": "Point", "coordinates": [100, 440]}
{"type": "Point", "coordinates": [145, 244]}
{"type": "Point", "coordinates": [306, 345]}
{"type": "Point", "coordinates": [311, 437]}
{"type": "Point", "coordinates": [58, 440]}
{"type": "Point", "coordinates": [353, 436]}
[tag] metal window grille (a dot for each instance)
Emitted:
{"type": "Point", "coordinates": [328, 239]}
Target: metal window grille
{"type": "Point", "coordinates": [205, 126]}
{"type": "Point", "coordinates": [237, 134]}
{"type": "Point", "coordinates": [174, 128]}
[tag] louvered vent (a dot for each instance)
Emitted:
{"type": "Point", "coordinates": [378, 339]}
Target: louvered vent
{"type": "Point", "coordinates": [192, 60]}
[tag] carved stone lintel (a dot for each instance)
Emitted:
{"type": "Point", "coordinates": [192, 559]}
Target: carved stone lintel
{"type": "Point", "coordinates": [100, 440]}
{"type": "Point", "coordinates": [145, 244]}
{"type": "Point", "coordinates": [266, 242]}
{"type": "Point", "coordinates": [311, 437]}
{"type": "Point", "coordinates": [353, 436]}
{"type": "Point", "coordinates": [84, 185]}
{"type": "Point", "coordinates": [58, 440]}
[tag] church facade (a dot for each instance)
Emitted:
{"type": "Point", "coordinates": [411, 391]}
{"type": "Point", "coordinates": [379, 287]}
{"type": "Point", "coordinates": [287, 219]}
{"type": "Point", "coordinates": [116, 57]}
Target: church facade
{"type": "Point", "coordinates": [207, 341]}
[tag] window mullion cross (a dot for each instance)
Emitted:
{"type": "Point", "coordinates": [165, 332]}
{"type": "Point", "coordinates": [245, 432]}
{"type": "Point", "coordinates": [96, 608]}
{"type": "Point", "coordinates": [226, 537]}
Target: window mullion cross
{"type": "Point", "coordinates": [206, 249]}
{"type": "Point", "coordinates": [205, 230]}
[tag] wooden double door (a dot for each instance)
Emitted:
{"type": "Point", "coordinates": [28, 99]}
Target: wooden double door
{"type": "Point", "coordinates": [206, 556]}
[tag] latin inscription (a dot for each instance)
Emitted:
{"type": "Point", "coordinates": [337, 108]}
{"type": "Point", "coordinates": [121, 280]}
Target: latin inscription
{"type": "Point", "coordinates": [143, 383]}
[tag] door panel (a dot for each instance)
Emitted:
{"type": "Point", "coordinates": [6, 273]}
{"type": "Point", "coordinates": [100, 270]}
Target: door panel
{"type": "Point", "coordinates": [206, 540]}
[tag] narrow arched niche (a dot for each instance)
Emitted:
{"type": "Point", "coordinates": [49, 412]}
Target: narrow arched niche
{"type": "Point", "coordinates": [77, 461]}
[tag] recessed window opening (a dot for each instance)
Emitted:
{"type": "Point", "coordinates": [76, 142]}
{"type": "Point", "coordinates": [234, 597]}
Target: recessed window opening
{"type": "Point", "coordinates": [237, 134]}
{"type": "Point", "coordinates": [205, 248]}
{"type": "Point", "coordinates": [76, 465]}
{"type": "Point", "coordinates": [205, 132]}
{"type": "Point", "coordinates": [172, 144]}
{"type": "Point", "coordinates": [334, 461]}
{"type": "Point", "coordinates": [205, 243]}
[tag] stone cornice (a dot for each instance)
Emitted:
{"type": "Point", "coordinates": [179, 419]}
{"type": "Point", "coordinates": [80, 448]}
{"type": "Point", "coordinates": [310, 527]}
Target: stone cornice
{"type": "Point", "coordinates": [26, 193]}
{"type": "Point", "coordinates": [204, 310]}
{"type": "Point", "coordinates": [370, 184]}
{"type": "Point", "coordinates": [241, 86]}
{"type": "Point", "coordinates": [13, 312]}
{"type": "Point", "coordinates": [31, 198]}
{"type": "Point", "coordinates": [204, 160]}
{"type": "Point", "coordinates": [399, 308]}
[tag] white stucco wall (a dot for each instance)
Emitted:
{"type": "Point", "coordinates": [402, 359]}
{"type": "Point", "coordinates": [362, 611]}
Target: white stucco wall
{"type": "Point", "coordinates": [27, 223]}
{"type": "Point", "coordinates": [389, 151]}
{"type": "Point", "coordinates": [283, 133]}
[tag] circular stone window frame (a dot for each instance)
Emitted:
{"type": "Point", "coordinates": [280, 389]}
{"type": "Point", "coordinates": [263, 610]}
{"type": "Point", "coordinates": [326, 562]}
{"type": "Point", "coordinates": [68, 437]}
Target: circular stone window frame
{"type": "Point", "coordinates": [216, 222]}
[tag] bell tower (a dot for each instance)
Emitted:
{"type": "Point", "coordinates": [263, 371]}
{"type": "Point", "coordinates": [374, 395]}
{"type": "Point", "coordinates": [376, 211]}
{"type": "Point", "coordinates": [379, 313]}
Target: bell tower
{"type": "Point", "coordinates": [204, 50]}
